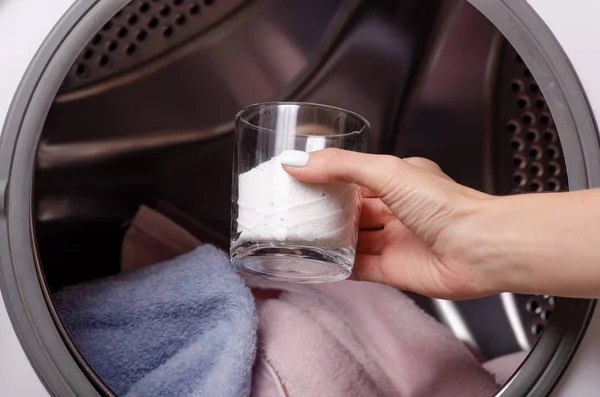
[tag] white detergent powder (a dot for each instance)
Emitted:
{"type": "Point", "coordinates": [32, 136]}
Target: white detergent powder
{"type": "Point", "coordinates": [274, 207]}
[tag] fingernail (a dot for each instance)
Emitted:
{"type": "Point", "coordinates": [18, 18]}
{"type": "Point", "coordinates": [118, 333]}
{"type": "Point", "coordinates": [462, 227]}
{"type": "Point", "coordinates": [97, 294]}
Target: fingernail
{"type": "Point", "coordinates": [294, 158]}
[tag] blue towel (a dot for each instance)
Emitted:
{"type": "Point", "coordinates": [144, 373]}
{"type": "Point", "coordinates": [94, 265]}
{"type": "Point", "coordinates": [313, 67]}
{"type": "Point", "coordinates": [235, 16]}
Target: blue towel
{"type": "Point", "coordinates": [185, 327]}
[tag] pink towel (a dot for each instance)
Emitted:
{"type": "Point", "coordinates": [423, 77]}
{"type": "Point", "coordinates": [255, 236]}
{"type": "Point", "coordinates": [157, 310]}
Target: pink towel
{"type": "Point", "coordinates": [504, 367]}
{"type": "Point", "coordinates": [153, 238]}
{"type": "Point", "coordinates": [362, 339]}
{"type": "Point", "coordinates": [342, 339]}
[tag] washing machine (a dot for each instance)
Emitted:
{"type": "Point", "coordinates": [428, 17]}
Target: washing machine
{"type": "Point", "coordinates": [109, 104]}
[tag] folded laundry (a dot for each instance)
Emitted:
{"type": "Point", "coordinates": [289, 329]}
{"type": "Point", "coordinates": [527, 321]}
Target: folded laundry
{"type": "Point", "coordinates": [184, 327]}
{"type": "Point", "coordinates": [342, 339]}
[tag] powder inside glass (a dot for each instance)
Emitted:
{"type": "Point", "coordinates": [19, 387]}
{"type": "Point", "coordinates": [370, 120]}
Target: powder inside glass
{"type": "Point", "coordinates": [274, 207]}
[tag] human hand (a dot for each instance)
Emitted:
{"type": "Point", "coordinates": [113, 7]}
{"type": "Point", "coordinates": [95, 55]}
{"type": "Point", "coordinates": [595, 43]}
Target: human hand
{"type": "Point", "coordinates": [423, 232]}
{"type": "Point", "coordinates": [411, 218]}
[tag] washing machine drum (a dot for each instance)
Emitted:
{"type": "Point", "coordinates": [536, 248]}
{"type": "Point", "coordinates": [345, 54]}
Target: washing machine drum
{"type": "Point", "coordinates": [107, 105]}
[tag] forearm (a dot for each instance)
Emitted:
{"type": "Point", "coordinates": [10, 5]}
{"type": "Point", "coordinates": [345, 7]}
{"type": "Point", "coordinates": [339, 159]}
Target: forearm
{"type": "Point", "coordinates": [540, 243]}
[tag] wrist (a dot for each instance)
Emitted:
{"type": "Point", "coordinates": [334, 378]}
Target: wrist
{"type": "Point", "coordinates": [476, 241]}
{"type": "Point", "coordinates": [494, 239]}
{"type": "Point", "coordinates": [533, 243]}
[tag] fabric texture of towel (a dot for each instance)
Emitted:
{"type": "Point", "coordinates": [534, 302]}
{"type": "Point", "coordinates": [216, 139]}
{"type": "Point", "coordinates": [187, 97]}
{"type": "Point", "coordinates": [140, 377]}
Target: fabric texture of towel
{"type": "Point", "coordinates": [388, 345]}
{"type": "Point", "coordinates": [504, 367]}
{"type": "Point", "coordinates": [184, 327]}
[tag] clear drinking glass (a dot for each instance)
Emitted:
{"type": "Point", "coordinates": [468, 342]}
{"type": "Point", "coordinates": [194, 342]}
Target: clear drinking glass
{"type": "Point", "coordinates": [283, 229]}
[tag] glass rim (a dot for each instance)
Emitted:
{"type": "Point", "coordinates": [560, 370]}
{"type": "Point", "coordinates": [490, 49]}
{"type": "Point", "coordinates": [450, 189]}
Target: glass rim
{"type": "Point", "coordinates": [364, 121]}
